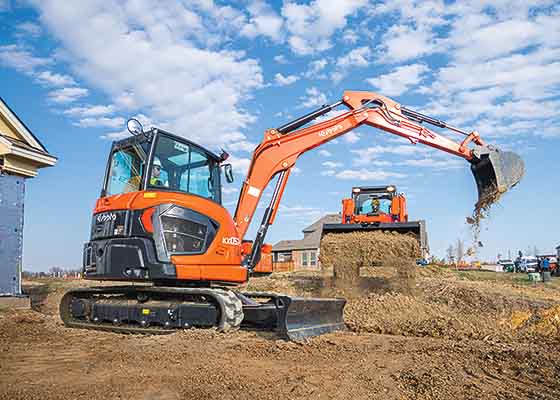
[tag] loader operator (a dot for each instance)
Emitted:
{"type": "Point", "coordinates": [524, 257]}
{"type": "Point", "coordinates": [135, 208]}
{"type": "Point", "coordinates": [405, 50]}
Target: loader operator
{"type": "Point", "coordinates": [156, 179]}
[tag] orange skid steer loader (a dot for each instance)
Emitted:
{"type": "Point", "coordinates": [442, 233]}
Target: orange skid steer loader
{"type": "Point", "coordinates": [159, 226]}
{"type": "Point", "coordinates": [374, 208]}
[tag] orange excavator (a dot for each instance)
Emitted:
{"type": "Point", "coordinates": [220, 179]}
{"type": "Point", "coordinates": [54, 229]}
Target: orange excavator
{"type": "Point", "coordinates": [374, 208]}
{"type": "Point", "coordinates": [160, 228]}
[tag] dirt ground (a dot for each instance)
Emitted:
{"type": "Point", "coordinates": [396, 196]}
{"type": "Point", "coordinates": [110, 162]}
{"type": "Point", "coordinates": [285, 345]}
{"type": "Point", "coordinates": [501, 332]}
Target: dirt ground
{"type": "Point", "coordinates": [458, 335]}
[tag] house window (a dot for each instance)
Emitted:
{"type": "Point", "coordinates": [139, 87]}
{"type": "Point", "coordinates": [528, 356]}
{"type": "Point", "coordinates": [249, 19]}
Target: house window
{"type": "Point", "coordinates": [305, 258]}
{"type": "Point", "coordinates": [313, 258]}
{"type": "Point", "coordinates": [285, 256]}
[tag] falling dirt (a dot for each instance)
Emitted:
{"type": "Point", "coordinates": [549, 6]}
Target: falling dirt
{"type": "Point", "coordinates": [454, 338]}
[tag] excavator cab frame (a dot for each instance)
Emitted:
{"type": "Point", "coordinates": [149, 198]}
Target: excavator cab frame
{"type": "Point", "coordinates": [179, 157]}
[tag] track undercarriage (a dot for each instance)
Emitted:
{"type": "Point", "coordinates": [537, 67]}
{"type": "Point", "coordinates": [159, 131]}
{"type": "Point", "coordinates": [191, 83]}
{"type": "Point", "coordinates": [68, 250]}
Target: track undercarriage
{"type": "Point", "coordinates": [162, 310]}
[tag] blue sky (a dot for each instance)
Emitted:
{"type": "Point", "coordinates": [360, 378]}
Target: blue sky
{"type": "Point", "coordinates": [221, 73]}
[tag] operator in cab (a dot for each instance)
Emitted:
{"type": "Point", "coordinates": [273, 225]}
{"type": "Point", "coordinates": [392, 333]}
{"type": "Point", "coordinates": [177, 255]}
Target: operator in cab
{"type": "Point", "coordinates": [157, 179]}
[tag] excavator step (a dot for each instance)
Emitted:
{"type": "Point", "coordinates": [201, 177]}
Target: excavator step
{"type": "Point", "coordinates": [163, 310]}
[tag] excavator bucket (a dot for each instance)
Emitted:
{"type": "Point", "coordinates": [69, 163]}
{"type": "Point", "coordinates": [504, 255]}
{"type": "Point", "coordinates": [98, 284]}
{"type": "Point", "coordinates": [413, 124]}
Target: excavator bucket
{"type": "Point", "coordinates": [292, 318]}
{"type": "Point", "coordinates": [495, 172]}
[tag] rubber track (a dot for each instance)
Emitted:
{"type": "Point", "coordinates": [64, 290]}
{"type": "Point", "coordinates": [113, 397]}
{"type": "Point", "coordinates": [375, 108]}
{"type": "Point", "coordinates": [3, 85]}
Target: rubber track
{"type": "Point", "coordinates": [231, 308]}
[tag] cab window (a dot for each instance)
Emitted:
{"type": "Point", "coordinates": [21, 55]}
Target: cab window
{"type": "Point", "coordinates": [125, 170]}
{"type": "Point", "coordinates": [179, 166]}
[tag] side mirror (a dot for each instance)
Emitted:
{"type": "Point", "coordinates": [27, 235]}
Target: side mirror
{"type": "Point", "coordinates": [228, 172]}
{"type": "Point", "coordinates": [134, 126]}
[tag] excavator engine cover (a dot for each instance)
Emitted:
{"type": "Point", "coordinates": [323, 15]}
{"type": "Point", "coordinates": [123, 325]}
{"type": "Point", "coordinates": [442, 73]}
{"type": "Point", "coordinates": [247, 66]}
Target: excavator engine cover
{"type": "Point", "coordinates": [495, 172]}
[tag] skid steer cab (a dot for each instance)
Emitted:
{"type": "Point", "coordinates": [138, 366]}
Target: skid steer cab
{"type": "Point", "coordinates": [160, 215]}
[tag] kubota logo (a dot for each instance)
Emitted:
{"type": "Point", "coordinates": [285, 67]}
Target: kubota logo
{"type": "Point", "coordinates": [330, 131]}
{"type": "Point", "coordinates": [232, 241]}
{"type": "Point", "coordinates": [106, 217]}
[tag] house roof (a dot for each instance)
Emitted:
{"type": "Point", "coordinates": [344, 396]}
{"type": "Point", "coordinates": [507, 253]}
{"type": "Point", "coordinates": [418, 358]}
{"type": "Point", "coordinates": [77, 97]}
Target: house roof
{"type": "Point", "coordinates": [312, 235]}
{"type": "Point", "coordinates": [30, 139]}
{"type": "Point", "coordinates": [21, 152]}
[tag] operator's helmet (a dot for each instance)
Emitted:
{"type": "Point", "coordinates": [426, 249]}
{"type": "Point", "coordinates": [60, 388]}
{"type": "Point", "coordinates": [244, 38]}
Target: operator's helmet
{"type": "Point", "coordinates": [375, 202]}
{"type": "Point", "coordinates": [157, 162]}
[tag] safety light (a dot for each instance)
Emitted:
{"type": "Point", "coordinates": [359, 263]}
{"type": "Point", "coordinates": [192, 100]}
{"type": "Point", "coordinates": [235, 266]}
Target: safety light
{"type": "Point", "coordinates": [391, 189]}
{"type": "Point", "coordinates": [356, 190]}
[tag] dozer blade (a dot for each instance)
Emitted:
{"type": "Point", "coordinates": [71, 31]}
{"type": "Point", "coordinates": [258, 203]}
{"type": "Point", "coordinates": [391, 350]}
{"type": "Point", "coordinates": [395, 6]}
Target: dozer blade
{"type": "Point", "coordinates": [495, 172]}
{"type": "Point", "coordinates": [292, 318]}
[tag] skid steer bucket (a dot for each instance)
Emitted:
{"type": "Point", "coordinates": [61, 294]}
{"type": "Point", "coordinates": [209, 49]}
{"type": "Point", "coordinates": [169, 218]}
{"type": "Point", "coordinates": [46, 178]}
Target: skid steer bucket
{"type": "Point", "coordinates": [292, 318]}
{"type": "Point", "coordinates": [495, 172]}
{"type": "Point", "coordinates": [417, 228]}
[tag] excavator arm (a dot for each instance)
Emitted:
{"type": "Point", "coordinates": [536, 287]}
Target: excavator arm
{"type": "Point", "coordinates": [281, 147]}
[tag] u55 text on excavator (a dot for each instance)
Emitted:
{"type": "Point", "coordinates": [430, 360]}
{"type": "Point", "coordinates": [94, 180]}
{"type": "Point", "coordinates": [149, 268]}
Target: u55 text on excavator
{"type": "Point", "coordinates": [160, 221]}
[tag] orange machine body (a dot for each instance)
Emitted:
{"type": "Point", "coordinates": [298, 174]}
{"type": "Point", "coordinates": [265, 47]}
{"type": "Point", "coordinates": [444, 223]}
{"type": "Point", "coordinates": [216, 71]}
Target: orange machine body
{"type": "Point", "coordinates": [222, 260]}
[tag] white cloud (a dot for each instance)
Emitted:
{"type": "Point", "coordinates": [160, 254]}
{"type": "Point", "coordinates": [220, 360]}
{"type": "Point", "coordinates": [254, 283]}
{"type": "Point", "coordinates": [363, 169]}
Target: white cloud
{"type": "Point", "coordinates": [27, 29]}
{"type": "Point", "coordinates": [357, 57]}
{"type": "Point", "coordinates": [313, 98]}
{"type": "Point", "coordinates": [300, 212]}
{"type": "Point", "coordinates": [350, 36]}
{"type": "Point", "coordinates": [296, 171]}
{"type": "Point", "coordinates": [49, 78]}
{"type": "Point", "coordinates": [282, 80]}
{"type": "Point", "coordinates": [315, 68]}
{"type": "Point", "coordinates": [351, 137]}
{"type": "Point", "coordinates": [21, 59]}
{"type": "Point", "coordinates": [328, 172]}
{"type": "Point", "coordinates": [311, 26]}
{"type": "Point", "coordinates": [332, 164]}
{"type": "Point", "coordinates": [281, 59]}
{"type": "Point", "coordinates": [240, 166]}
{"type": "Point", "coordinates": [189, 82]}
{"type": "Point", "coordinates": [436, 164]}
{"type": "Point", "coordinates": [101, 122]}
{"type": "Point", "coordinates": [67, 94]}
{"type": "Point", "coordinates": [402, 42]}
{"type": "Point", "coordinates": [242, 145]}
{"type": "Point", "coordinates": [325, 153]}
{"type": "Point", "coordinates": [400, 80]}
{"type": "Point", "coordinates": [264, 21]}
{"type": "Point", "coordinates": [90, 111]}
{"type": "Point", "coordinates": [367, 175]}
{"type": "Point", "coordinates": [369, 155]}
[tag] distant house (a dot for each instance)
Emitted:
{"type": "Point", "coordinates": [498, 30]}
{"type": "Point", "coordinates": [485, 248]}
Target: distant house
{"type": "Point", "coordinates": [21, 156]}
{"type": "Point", "coordinates": [558, 251]}
{"type": "Point", "coordinates": [294, 255]}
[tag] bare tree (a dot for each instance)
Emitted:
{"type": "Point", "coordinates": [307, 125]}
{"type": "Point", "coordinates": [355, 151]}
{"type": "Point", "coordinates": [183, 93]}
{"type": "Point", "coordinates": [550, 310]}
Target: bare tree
{"type": "Point", "coordinates": [450, 254]}
{"type": "Point", "coordinates": [460, 250]}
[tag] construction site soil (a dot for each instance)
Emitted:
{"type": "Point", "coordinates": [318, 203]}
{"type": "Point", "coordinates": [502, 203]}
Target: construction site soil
{"type": "Point", "coordinates": [443, 335]}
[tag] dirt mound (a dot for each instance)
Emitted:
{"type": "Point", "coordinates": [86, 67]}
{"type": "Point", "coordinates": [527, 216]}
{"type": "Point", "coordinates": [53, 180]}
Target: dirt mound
{"type": "Point", "coordinates": [347, 254]}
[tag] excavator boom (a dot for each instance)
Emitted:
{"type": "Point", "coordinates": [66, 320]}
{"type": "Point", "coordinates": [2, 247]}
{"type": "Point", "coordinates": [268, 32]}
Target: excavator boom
{"type": "Point", "coordinates": [494, 171]}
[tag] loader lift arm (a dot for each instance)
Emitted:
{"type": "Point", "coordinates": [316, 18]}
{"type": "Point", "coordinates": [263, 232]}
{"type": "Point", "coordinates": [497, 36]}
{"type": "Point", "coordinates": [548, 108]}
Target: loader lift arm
{"type": "Point", "coordinates": [281, 147]}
